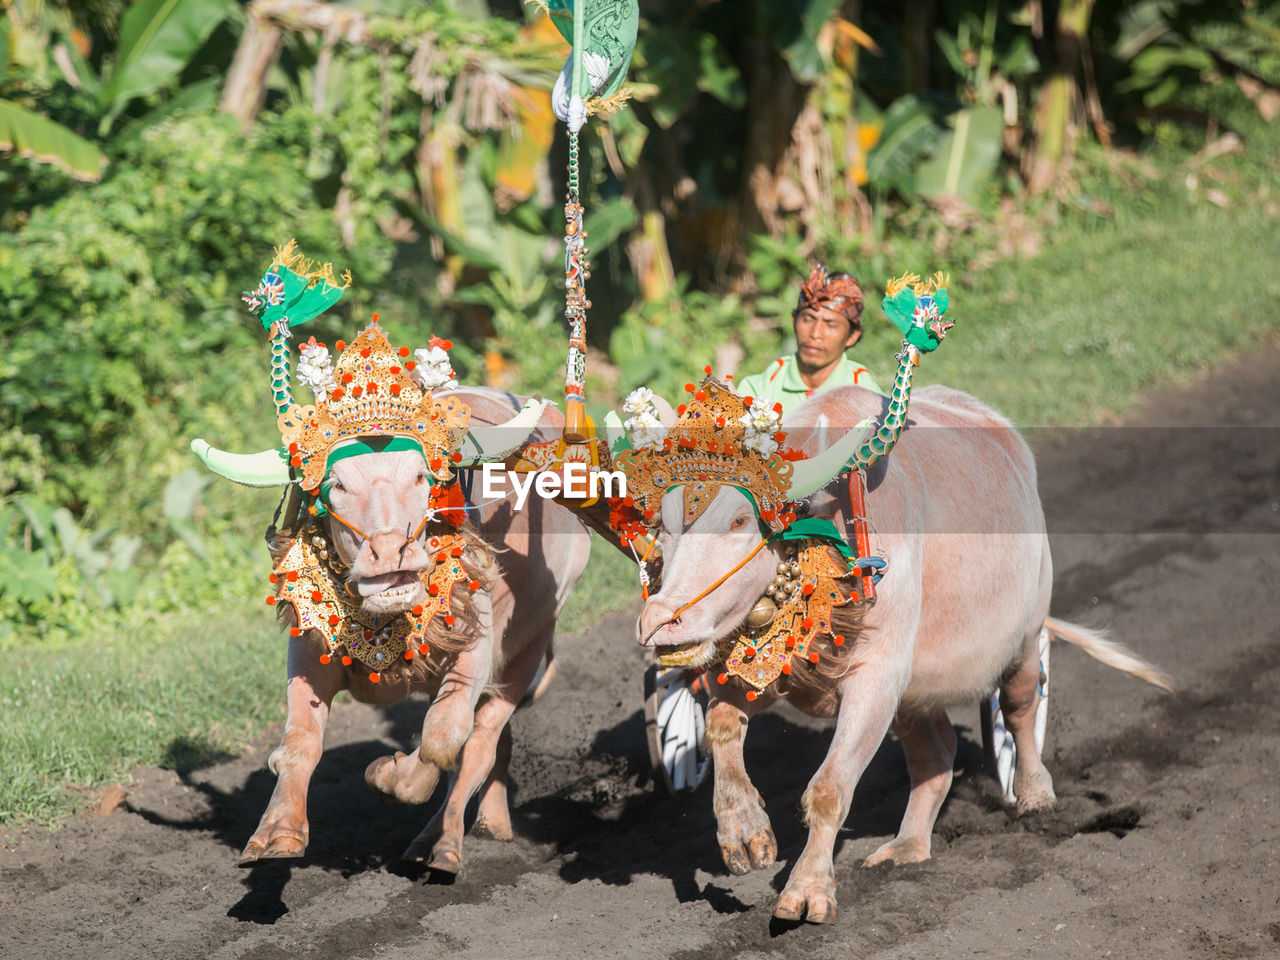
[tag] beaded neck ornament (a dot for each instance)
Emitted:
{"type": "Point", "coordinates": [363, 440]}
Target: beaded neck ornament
{"type": "Point", "coordinates": [310, 578]}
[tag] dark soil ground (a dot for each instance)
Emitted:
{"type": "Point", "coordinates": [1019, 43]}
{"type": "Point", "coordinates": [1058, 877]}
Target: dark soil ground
{"type": "Point", "coordinates": [1165, 843]}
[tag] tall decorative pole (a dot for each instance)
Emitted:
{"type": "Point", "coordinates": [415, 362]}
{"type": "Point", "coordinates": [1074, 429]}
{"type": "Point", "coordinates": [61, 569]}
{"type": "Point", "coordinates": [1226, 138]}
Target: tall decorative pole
{"type": "Point", "coordinates": [603, 36]}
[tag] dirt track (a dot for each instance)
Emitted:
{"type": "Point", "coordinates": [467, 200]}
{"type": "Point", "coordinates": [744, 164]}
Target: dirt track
{"type": "Point", "coordinates": [1166, 841]}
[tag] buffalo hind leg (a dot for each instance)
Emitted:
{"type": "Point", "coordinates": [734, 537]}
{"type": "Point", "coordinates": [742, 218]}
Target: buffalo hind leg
{"type": "Point", "coordinates": [929, 744]}
{"type": "Point", "coordinates": [1019, 698]}
{"type": "Point", "coordinates": [742, 827]}
{"type": "Point", "coordinates": [493, 820]}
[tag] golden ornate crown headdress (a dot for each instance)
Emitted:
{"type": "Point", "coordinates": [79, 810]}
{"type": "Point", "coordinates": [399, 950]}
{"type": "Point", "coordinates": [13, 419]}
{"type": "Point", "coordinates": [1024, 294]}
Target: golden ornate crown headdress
{"type": "Point", "coordinates": [373, 393]}
{"type": "Point", "coordinates": [719, 438]}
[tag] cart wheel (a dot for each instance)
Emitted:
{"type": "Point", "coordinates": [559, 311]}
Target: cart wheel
{"type": "Point", "coordinates": [675, 711]}
{"type": "Point", "coordinates": [996, 738]}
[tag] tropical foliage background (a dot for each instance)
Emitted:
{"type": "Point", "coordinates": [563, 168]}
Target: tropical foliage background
{"type": "Point", "coordinates": [152, 154]}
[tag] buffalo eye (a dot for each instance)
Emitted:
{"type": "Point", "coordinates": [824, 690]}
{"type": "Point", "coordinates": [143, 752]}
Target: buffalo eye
{"type": "Point", "coordinates": [738, 523]}
{"type": "Point", "coordinates": [337, 485]}
{"type": "Point", "coordinates": [422, 478]}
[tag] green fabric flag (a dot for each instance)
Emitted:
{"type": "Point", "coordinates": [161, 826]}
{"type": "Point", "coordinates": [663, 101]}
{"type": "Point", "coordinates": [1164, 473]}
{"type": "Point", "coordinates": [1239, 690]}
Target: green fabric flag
{"type": "Point", "coordinates": [608, 31]}
{"type": "Point", "coordinates": [912, 313]}
{"type": "Point", "coordinates": [294, 290]}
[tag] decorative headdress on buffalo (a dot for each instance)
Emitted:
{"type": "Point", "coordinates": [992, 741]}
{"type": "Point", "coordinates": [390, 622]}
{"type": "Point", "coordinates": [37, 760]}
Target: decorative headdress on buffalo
{"type": "Point", "coordinates": [376, 398]}
{"type": "Point", "coordinates": [719, 438]}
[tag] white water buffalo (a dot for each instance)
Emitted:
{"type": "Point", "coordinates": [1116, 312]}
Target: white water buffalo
{"type": "Point", "coordinates": [476, 682]}
{"type": "Point", "coordinates": [955, 512]}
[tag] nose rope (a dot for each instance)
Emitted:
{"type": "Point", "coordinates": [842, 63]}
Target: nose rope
{"type": "Point", "coordinates": [676, 616]}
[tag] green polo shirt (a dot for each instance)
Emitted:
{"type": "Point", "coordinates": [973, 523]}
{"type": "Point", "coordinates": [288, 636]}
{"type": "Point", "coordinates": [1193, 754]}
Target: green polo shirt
{"type": "Point", "coordinates": [781, 382]}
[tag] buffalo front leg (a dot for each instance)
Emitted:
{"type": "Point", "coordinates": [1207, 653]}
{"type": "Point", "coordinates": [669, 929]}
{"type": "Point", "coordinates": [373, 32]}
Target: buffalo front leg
{"type": "Point", "coordinates": [283, 830]}
{"type": "Point", "coordinates": [440, 842]}
{"type": "Point", "coordinates": [868, 699]}
{"type": "Point", "coordinates": [412, 778]}
{"type": "Point", "coordinates": [742, 827]}
{"type": "Point", "coordinates": [929, 744]}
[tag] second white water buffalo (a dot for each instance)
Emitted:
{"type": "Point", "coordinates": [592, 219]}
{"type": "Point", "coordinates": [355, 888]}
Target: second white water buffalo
{"type": "Point", "coordinates": [957, 518]}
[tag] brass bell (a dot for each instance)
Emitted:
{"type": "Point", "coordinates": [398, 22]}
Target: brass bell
{"type": "Point", "coordinates": [783, 568]}
{"type": "Point", "coordinates": [794, 569]}
{"type": "Point", "coordinates": [780, 581]}
{"type": "Point", "coordinates": [762, 613]}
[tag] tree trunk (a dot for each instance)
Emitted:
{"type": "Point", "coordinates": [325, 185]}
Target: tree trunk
{"type": "Point", "coordinates": [774, 103]}
{"type": "Point", "coordinates": [1058, 97]}
{"type": "Point", "coordinates": [246, 89]}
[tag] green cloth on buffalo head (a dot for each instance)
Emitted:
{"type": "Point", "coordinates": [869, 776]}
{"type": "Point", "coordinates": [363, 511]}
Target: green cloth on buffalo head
{"type": "Point", "coordinates": [815, 528]}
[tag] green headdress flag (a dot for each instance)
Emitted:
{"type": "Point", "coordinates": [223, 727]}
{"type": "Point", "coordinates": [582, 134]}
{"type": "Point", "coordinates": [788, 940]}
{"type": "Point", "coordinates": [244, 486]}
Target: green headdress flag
{"type": "Point", "coordinates": [294, 289]}
{"type": "Point", "coordinates": [603, 36]}
{"type": "Point", "coordinates": [916, 308]}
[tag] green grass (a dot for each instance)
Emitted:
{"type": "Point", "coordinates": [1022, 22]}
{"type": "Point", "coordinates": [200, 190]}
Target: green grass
{"type": "Point", "coordinates": [610, 583]}
{"type": "Point", "coordinates": [1076, 335]}
{"type": "Point", "coordinates": [180, 691]}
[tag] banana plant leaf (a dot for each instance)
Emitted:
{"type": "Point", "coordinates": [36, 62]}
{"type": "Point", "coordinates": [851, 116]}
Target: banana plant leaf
{"type": "Point", "coordinates": [38, 138]}
{"type": "Point", "coordinates": [966, 155]}
{"type": "Point", "coordinates": [911, 130]}
{"type": "Point", "coordinates": [157, 39]}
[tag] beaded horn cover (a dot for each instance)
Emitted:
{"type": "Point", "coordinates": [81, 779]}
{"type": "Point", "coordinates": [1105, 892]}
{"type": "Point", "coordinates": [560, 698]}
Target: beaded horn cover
{"type": "Point", "coordinates": [373, 395]}
{"type": "Point", "coordinates": [719, 438]}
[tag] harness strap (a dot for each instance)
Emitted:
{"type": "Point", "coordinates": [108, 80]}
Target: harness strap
{"type": "Point", "coordinates": [759, 546]}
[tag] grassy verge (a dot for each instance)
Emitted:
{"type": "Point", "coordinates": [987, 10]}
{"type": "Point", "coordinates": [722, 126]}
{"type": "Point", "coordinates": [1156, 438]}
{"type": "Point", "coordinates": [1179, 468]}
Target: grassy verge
{"type": "Point", "coordinates": [177, 690]}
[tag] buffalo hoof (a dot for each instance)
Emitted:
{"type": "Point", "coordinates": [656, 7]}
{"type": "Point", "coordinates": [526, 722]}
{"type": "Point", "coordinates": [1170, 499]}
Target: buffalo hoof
{"type": "Point", "coordinates": [445, 854]}
{"type": "Point", "coordinates": [280, 846]}
{"type": "Point", "coordinates": [758, 852]}
{"type": "Point", "coordinates": [485, 827]}
{"type": "Point", "coordinates": [815, 903]}
{"type": "Point", "coordinates": [1035, 791]}
{"type": "Point", "coordinates": [899, 850]}
{"type": "Point", "coordinates": [402, 777]}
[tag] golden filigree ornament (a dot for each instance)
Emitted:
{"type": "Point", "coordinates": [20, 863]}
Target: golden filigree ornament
{"type": "Point", "coordinates": [805, 593]}
{"type": "Point", "coordinates": [375, 394]}
{"type": "Point", "coordinates": [305, 578]}
{"type": "Point", "coordinates": [718, 438]}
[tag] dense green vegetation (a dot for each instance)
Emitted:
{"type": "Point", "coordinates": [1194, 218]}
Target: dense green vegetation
{"type": "Point", "coordinates": [1126, 242]}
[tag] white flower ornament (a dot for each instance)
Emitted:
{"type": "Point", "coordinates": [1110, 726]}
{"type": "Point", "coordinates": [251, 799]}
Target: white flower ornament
{"type": "Point", "coordinates": [315, 368]}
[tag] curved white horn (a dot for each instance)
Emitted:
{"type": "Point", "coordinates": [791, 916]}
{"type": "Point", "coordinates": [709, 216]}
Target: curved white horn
{"type": "Point", "coordinates": [808, 476]}
{"type": "Point", "coordinates": [494, 443]}
{"type": "Point", "coordinates": [266, 468]}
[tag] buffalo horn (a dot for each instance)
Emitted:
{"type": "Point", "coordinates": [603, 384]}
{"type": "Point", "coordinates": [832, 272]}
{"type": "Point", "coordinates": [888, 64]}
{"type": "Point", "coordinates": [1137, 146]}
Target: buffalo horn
{"type": "Point", "coordinates": [808, 476]}
{"type": "Point", "coordinates": [492, 444]}
{"type": "Point", "coordinates": [267, 468]}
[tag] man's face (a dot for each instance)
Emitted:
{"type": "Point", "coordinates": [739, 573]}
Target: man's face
{"type": "Point", "coordinates": [823, 335]}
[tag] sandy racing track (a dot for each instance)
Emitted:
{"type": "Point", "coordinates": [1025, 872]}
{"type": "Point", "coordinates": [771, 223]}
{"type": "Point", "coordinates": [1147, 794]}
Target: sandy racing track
{"type": "Point", "coordinates": [1165, 843]}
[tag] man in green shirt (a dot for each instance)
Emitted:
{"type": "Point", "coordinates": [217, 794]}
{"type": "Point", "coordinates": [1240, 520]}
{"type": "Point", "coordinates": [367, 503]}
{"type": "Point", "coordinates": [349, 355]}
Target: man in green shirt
{"type": "Point", "coordinates": [827, 321]}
